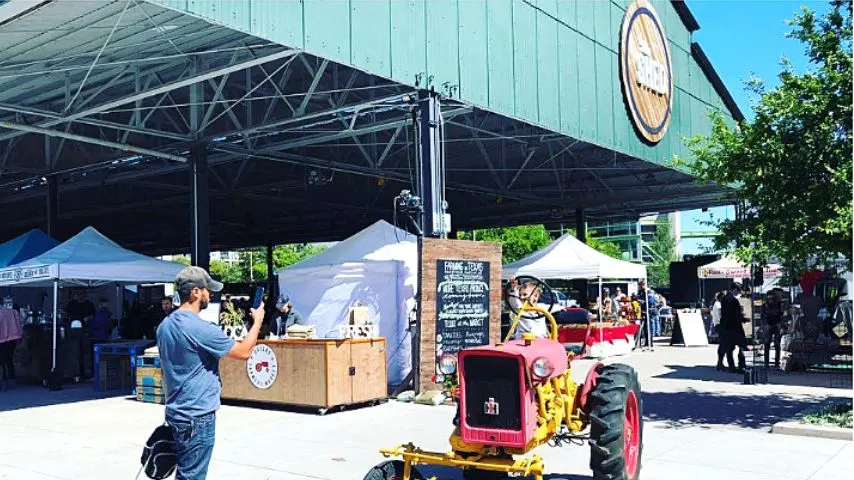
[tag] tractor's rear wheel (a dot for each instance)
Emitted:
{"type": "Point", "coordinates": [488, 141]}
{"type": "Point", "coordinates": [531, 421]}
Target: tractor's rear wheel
{"type": "Point", "coordinates": [392, 470]}
{"type": "Point", "coordinates": [616, 424]}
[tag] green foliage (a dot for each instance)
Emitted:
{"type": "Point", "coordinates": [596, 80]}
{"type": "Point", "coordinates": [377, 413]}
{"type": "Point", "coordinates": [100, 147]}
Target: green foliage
{"type": "Point", "coordinates": [520, 241]}
{"type": "Point", "coordinates": [663, 251]}
{"type": "Point", "coordinates": [183, 260]}
{"type": "Point", "coordinates": [516, 242]}
{"type": "Point", "coordinates": [791, 166]}
{"type": "Point", "coordinates": [838, 414]}
{"type": "Point", "coordinates": [226, 272]}
{"type": "Point", "coordinates": [283, 256]}
{"type": "Point", "coordinates": [608, 248]}
{"type": "Point", "coordinates": [231, 316]}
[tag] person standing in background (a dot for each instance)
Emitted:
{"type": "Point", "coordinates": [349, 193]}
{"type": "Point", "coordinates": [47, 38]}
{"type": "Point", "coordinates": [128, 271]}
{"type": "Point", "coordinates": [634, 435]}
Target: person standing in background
{"type": "Point", "coordinates": [773, 313]}
{"type": "Point", "coordinates": [11, 331]}
{"type": "Point", "coordinates": [731, 331]}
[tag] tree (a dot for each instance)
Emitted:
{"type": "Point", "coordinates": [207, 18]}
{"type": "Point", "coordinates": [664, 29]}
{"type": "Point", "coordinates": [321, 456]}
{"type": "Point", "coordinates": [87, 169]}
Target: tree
{"type": "Point", "coordinates": [608, 248]}
{"type": "Point", "coordinates": [283, 256]}
{"type": "Point", "coordinates": [663, 251]}
{"type": "Point", "coordinates": [516, 242]}
{"type": "Point", "coordinates": [791, 166]}
{"type": "Point", "coordinates": [520, 241]}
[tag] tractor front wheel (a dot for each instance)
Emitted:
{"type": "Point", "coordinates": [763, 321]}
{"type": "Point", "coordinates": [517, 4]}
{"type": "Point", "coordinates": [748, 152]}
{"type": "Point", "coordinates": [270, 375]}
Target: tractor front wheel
{"type": "Point", "coordinates": [392, 470]}
{"type": "Point", "coordinates": [616, 424]}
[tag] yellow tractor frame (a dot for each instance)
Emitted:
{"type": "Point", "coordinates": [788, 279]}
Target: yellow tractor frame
{"type": "Point", "coordinates": [556, 413]}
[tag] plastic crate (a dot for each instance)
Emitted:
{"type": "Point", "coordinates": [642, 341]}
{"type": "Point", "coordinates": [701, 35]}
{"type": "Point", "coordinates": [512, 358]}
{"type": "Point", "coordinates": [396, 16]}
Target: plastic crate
{"type": "Point", "coordinates": [152, 397]}
{"type": "Point", "coordinates": [148, 361]}
{"type": "Point", "coordinates": [114, 373]}
{"type": "Point", "coordinates": [148, 377]}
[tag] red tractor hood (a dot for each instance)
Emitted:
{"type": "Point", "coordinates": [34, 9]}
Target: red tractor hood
{"type": "Point", "coordinates": [539, 347]}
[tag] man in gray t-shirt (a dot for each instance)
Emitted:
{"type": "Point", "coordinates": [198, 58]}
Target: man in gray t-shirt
{"type": "Point", "coordinates": [190, 350]}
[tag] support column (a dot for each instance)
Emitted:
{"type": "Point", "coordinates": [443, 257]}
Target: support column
{"type": "Point", "coordinates": [200, 207]}
{"type": "Point", "coordinates": [52, 205]}
{"type": "Point", "coordinates": [431, 174]}
{"type": "Point", "coordinates": [271, 276]}
{"type": "Point", "coordinates": [581, 225]}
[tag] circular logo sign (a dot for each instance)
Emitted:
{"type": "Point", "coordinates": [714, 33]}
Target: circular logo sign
{"type": "Point", "coordinates": [646, 71]}
{"type": "Point", "coordinates": [262, 367]}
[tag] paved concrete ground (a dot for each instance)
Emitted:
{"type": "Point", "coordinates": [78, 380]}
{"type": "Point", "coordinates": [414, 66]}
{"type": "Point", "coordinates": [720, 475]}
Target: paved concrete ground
{"type": "Point", "coordinates": [701, 424]}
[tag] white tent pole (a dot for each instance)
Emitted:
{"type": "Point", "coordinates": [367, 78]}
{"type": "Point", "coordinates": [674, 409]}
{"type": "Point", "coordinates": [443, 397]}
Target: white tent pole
{"type": "Point", "coordinates": [55, 300]}
{"type": "Point", "coordinates": [648, 318]}
{"type": "Point", "coordinates": [601, 312]}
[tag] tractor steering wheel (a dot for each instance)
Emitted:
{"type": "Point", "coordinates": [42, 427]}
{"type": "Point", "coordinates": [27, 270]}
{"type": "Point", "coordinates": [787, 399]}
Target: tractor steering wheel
{"type": "Point", "coordinates": [528, 283]}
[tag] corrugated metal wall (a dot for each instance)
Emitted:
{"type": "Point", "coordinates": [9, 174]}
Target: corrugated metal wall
{"type": "Point", "coordinates": [549, 62]}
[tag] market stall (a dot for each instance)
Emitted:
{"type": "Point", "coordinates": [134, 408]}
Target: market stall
{"type": "Point", "coordinates": [567, 258]}
{"type": "Point", "coordinates": [89, 259]}
{"type": "Point", "coordinates": [24, 247]}
{"type": "Point", "coordinates": [375, 269]}
{"type": "Point", "coordinates": [319, 373]}
{"type": "Point", "coordinates": [730, 268]}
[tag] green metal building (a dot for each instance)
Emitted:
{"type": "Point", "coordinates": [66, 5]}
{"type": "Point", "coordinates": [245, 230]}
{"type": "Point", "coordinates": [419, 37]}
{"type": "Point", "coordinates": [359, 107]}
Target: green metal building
{"type": "Point", "coordinates": [299, 114]}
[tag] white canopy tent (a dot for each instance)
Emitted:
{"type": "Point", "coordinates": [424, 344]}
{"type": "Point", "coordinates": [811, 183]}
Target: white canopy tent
{"type": "Point", "coordinates": [568, 258]}
{"type": "Point", "coordinates": [88, 259]}
{"type": "Point", "coordinates": [377, 268]}
{"type": "Point", "coordinates": [731, 268]}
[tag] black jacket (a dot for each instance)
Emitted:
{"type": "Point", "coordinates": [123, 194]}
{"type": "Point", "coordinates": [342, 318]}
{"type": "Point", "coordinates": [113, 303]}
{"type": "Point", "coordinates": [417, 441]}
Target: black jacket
{"type": "Point", "coordinates": [732, 314]}
{"type": "Point", "coordinates": [280, 322]}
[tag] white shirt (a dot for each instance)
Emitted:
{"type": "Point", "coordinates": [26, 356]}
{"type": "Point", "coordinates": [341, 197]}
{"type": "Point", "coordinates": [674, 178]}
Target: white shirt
{"type": "Point", "coordinates": [529, 321]}
{"type": "Point", "coordinates": [716, 313]}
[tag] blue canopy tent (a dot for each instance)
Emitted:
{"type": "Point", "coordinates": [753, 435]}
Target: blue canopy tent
{"type": "Point", "coordinates": [24, 247]}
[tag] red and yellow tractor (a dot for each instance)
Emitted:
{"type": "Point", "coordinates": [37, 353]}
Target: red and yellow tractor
{"type": "Point", "coordinates": [518, 395]}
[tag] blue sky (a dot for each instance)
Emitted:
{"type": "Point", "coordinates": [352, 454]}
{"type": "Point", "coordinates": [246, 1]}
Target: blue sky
{"type": "Point", "coordinates": [743, 38]}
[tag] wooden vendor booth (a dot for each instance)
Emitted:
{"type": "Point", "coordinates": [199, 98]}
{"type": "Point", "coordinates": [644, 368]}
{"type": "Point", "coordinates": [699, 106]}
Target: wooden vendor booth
{"type": "Point", "coordinates": [319, 373]}
{"type": "Point", "coordinates": [357, 299]}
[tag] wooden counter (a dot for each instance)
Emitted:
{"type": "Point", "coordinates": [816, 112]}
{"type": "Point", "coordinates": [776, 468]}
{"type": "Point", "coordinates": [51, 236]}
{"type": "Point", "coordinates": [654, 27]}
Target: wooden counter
{"type": "Point", "coordinates": [320, 373]}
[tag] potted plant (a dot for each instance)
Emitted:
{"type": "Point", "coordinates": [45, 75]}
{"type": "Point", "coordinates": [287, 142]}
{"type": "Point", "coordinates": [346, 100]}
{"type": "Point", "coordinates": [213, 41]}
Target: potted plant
{"type": "Point", "coordinates": [231, 321]}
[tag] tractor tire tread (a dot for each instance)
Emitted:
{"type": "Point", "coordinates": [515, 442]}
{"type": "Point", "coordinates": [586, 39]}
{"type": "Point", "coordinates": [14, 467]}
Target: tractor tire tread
{"type": "Point", "coordinates": [607, 418]}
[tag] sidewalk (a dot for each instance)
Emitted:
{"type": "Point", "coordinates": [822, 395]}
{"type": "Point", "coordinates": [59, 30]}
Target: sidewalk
{"type": "Point", "coordinates": [701, 424]}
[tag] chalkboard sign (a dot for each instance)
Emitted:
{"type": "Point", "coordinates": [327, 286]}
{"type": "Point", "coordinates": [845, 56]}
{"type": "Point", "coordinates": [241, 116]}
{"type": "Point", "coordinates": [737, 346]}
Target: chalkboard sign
{"type": "Point", "coordinates": [462, 305]}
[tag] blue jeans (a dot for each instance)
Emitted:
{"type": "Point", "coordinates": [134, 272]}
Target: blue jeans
{"type": "Point", "coordinates": [194, 443]}
{"type": "Point", "coordinates": [655, 325]}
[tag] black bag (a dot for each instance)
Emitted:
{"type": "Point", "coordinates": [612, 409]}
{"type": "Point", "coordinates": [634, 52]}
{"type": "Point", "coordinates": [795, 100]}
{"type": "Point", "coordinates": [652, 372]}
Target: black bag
{"type": "Point", "coordinates": [158, 456]}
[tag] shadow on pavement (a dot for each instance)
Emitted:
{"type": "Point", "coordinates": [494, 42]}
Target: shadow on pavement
{"type": "Point", "coordinates": [757, 411]}
{"type": "Point", "coordinates": [448, 473]}
{"type": "Point", "coordinates": [708, 373]}
{"type": "Point", "coordinates": [33, 396]}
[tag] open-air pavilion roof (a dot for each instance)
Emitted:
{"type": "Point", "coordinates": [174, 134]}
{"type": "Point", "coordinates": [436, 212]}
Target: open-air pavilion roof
{"type": "Point", "coordinates": [109, 97]}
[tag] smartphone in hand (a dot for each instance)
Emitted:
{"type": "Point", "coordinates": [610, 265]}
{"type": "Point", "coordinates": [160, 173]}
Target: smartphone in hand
{"type": "Point", "coordinates": [258, 298]}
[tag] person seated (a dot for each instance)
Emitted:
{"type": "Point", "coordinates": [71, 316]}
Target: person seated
{"type": "Point", "coordinates": [530, 321]}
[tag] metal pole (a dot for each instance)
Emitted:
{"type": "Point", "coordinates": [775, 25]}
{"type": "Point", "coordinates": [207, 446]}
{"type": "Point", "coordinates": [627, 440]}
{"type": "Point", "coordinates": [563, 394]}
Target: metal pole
{"type": "Point", "coordinates": [431, 173]}
{"type": "Point", "coordinates": [55, 301]}
{"type": "Point", "coordinates": [601, 313]}
{"type": "Point", "coordinates": [120, 300]}
{"type": "Point", "coordinates": [648, 319]}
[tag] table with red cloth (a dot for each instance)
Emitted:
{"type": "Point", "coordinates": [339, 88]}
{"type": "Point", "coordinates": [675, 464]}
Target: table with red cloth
{"type": "Point", "coordinates": [595, 333]}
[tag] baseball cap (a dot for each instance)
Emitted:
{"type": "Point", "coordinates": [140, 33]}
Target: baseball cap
{"type": "Point", "coordinates": [196, 277]}
{"type": "Point", "coordinates": [282, 300]}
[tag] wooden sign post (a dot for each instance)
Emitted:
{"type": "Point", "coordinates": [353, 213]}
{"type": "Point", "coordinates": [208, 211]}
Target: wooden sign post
{"type": "Point", "coordinates": [460, 303]}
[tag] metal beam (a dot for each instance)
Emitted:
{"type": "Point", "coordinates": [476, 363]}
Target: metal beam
{"type": "Point", "coordinates": [95, 141]}
{"type": "Point", "coordinates": [163, 89]}
{"type": "Point", "coordinates": [311, 88]}
{"type": "Point", "coordinates": [95, 122]}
